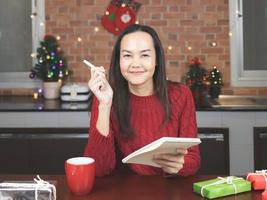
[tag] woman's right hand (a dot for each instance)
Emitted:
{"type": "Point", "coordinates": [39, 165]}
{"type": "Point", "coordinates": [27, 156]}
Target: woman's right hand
{"type": "Point", "coordinates": [100, 87]}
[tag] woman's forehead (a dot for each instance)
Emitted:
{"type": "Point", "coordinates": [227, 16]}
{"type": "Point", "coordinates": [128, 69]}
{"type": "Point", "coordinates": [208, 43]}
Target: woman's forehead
{"type": "Point", "coordinates": [137, 40]}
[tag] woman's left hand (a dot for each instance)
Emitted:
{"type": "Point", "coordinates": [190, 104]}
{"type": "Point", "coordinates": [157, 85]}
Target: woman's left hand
{"type": "Point", "coordinates": [171, 163]}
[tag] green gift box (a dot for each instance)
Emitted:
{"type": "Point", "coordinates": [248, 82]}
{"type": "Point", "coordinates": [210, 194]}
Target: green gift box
{"type": "Point", "coordinates": [221, 186]}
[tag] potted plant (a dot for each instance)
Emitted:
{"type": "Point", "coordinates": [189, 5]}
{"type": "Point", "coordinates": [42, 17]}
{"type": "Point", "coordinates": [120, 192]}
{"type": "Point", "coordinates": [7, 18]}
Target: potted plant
{"type": "Point", "coordinates": [196, 79]}
{"type": "Point", "coordinates": [51, 67]}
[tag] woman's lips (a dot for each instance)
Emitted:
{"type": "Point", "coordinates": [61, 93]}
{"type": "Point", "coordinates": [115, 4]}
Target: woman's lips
{"type": "Point", "coordinates": [136, 72]}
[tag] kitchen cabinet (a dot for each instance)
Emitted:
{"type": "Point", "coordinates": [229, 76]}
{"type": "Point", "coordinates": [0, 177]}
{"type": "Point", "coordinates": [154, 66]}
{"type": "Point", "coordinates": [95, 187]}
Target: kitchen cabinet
{"type": "Point", "coordinates": [260, 148]}
{"type": "Point", "coordinates": [44, 150]}
{"type": "Point", "coordinates": [214, 151]}
{"type": "Point", "coordinates": [39, 150]}
{"type": "Point", "coordinates": [23, 113]}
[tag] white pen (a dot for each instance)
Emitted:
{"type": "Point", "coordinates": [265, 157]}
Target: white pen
{"type": "Point", "coordinates": [88, 64]}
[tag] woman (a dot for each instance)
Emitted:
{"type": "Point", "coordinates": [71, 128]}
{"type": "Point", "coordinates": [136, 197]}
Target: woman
{"type": "Point", "coordinates": [138, 106]}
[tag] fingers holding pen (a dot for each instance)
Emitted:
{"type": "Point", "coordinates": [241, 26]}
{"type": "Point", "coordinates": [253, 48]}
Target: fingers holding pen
{"type": "Point", "coordinates": [98, 71]}
{"type": "Point", "coordinates": [98, 81]}
{"type": "Point", "coordinates": [96, 84]}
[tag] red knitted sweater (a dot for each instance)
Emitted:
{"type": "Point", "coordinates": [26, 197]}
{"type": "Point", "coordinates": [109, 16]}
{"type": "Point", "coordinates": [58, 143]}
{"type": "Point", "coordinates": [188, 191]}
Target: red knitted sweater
{"type": "Point", "coordinates": [146, 120]}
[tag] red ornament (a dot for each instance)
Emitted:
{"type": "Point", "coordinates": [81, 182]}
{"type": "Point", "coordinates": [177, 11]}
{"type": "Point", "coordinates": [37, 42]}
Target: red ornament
{"type": "Point", "coordinates": [120, 14]}
{"type": "Point", "coordinates": [125, 16]}
{"type": "Point", "coordinates": [192, 62]}
{"type": "Point", "coordinates": [109, 18]}
{"type": "Point", "coordinates": [50, 38]}
{"type": "Point", "coordinates": [198, 61]}
{"type": "Point", "coordinates": [32, 75]}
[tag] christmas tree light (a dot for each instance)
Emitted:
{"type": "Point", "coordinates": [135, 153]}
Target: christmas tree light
{"type": "Point", "coordinates": [50, 66]}
{"type": "Point", "coordinates": [215, 79]}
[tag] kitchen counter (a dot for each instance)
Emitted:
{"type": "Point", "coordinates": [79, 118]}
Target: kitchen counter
{"type": "Point", "coordinates": [224, 103]}
{"type": "Point", "coordinates": [29, 104]}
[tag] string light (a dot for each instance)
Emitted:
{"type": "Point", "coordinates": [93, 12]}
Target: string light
{"type": "Point", "coordinates": [189, 48]}
{"type": "Point", "coordinates": [58, 37]}
{"type": "Point", "coordinates": [238, 13]}
{"type": "Point", "coordinates": [107, 12]}
{"type": "Point", "coordinates": [123, 5]}
{"type": "Point", "coordinates": [35, 95]}
{"type": "Point", "coordinates": [33, 55]}
{"type": "Point", "coordinates": [136, 22]}
{"type": "Point", "coordinates": [170, 48]}
{"type": "Point", "coordinates": [33, 15]}
{"type": "Point", "coordinates": [233, 26]}
{"type": "Point", "coordinates": [79, 39]}
{"type": "Point", "coordinates": [213, 44]}
{"type": "Point", "coordinates": [96, 29]}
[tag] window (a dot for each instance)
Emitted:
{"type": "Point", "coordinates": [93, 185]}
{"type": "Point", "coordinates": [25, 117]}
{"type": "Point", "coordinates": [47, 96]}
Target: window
{"type": "Point", "coordinates": [19, 37]}
{"type": "Point", "coordinates": [248, 42]}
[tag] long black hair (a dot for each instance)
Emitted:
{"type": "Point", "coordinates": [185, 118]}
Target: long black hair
{"type": "Point", "coordinates": [120, 85]}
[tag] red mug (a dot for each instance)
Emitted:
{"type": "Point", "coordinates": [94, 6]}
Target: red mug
{"type": "Point", "coordinates": [80, 174]}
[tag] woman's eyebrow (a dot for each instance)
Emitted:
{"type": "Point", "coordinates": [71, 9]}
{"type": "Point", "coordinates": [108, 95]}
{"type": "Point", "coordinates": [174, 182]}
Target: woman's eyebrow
{"type": "Point", "coordinates": [145, 50]}
{"type": "Point", "coordinates": [127, 51]}
{"type": "Point", "coordinates": [142, 51]}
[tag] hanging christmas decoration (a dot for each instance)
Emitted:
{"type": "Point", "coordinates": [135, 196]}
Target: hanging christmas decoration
{"type": "Point", "coordinates": [120, 14]}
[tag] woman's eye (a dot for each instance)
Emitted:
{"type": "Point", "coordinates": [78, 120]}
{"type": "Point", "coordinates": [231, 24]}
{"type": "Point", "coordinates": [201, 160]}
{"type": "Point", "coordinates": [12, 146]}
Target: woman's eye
{"type": "Point", "coordinates": [126, 55]}
{"type": "Point", "coordinates": [145, 55]}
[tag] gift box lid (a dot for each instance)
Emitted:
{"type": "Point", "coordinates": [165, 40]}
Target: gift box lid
{"type": "Point", "coordinates": [77, 87]}
{"type": "Point", "coordinates": [258, 179]}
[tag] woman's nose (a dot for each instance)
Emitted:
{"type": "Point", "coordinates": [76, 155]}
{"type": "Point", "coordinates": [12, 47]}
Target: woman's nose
{"type": "Point", "coordinates": [136, 63]}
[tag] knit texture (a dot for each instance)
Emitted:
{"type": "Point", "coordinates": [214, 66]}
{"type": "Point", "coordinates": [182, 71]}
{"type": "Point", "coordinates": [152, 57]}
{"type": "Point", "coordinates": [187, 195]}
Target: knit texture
{"type": "Point", "coordinates": [147, 119]}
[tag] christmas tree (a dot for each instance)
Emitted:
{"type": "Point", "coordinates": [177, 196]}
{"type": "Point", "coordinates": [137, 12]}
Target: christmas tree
{"type": "Point", "coordinates": [196, 77]}
{"type": "Point", "coordinates": [215, 79]}
{"type": "Point", "coordinates": [50, 66]}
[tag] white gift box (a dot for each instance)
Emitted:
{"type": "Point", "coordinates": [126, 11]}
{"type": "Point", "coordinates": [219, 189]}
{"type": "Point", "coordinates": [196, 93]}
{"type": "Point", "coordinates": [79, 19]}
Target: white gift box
{"type": "Point", "coordinates": [75, 92]}
{"type": "Point", "coordinates": [30, 190]}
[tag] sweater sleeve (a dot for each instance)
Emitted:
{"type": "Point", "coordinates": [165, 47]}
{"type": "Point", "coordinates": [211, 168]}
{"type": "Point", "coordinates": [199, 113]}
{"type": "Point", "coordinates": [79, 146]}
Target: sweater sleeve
{"type": "Point", "coordinates": [99, 147]}
{"type": "Point", "coordinates": [188, 128]}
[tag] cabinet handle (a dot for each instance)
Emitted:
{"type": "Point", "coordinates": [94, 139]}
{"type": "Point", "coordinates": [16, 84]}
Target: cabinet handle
{"type": "Point", "coordinates": [43, 136]}
{"type": "Point", "coordinates": [13, 136]}
{"type": "Point", "coordinates": [217, 136]}
{"type": "Point", "coordinates": [59, 136]}
{"type": "Point", "coordinates": [263, 135]}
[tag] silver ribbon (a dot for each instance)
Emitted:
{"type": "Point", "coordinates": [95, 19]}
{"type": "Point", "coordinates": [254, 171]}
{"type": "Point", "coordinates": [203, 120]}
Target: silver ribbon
{"type": "Point", "coordinates": [45, 185]}
{"type": "Point", "coordinates": [39, 184]}
{"type": "Point", "coordinates": [228, 180]}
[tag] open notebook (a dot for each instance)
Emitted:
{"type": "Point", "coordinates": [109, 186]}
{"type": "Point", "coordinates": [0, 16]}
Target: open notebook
{"type": "Point", "coordinates": [145, 154]}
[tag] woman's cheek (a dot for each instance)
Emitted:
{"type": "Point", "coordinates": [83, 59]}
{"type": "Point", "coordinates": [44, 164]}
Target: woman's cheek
{"type": "Point", "coordinates": [124, 65]}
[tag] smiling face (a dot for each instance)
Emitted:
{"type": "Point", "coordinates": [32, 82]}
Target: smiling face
{"type": "Point", "coordinates": [138, 61]}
